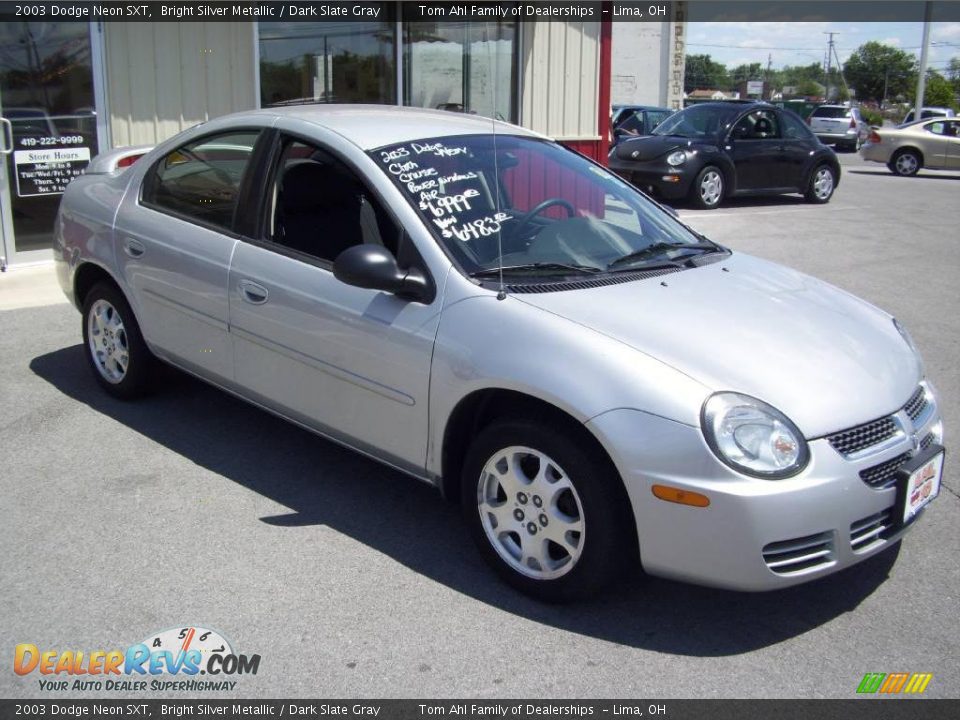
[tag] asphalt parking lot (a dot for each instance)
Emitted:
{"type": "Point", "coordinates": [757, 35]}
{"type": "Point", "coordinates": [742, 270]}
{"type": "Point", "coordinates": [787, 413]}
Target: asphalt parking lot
{"type": "Point", "coordinates": [192, 508]}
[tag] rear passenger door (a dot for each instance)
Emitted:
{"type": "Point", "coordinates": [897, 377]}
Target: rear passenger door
{"type": "Point", "coordinates": [349, 362]}
{"type": "Point", "coordinates": [175, 236]}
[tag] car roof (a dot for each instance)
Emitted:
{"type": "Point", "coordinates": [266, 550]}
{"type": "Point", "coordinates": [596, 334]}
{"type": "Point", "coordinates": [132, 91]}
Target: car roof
{"type": "Point", "coordinates": [373, 126]}
{"type": "Point", "coordinates": [640, 107]}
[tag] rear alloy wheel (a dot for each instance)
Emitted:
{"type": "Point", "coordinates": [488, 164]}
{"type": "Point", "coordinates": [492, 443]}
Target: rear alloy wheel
{"type": "Point", "coordinates": [118, 356]}
{"type": "Point", "coordinates": [905, 163]}
{"type": "Point", "coordinates": [707, 190]}
{"type": "Point", "coordinates": [822, 183]}
{"type": "Point", "coordinates": [546, 514]}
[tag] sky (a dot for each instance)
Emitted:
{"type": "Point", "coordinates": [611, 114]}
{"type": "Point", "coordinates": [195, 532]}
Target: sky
{"type": "Point", "coordinates": [802, 43]}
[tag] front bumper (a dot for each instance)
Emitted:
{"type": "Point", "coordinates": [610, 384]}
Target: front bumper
{"type": "Point", "coordinates": [658, 178]}
{"type": "Point", "coordinates": [756, 534]}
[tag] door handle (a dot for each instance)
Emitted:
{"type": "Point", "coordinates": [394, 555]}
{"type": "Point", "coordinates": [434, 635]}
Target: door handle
{"type": "Point", "coordinates": [8, 128]}
{"type": "Point", "coordinates": [133, 248]}
{"type": "Point", "coordinates": [253, 293]}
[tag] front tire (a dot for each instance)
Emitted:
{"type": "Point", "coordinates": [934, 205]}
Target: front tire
{"type": "Point", "coordinates": [708, 188]}
{"type": "Point", "coordinates": [906, 163]}
{"type": "Point", "coordinates": [821, 185]}
{"type": "Point", "coordinates": [115, 349]}
{"type": "Point", "coordinates": [548, 515]}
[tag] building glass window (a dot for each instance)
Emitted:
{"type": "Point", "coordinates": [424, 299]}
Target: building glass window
{"type": "Point", "coordinates": [463, 67]}
{"type": "Point", "coordinates": [328, 62]}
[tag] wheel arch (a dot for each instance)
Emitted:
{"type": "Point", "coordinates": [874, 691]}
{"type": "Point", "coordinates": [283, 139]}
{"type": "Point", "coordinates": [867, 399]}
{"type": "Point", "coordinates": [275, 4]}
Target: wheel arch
{"type": "Point", "coordinates": [86, 276]}
{"type": "Point", "coordinates": [480, 408]}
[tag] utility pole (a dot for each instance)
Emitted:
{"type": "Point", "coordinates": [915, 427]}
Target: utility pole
{"type": "Point", "coordinates": [922, 78]}
{"type": "Point", "coordinates": [829, 62]}
{"type": "Point", "coordinates": [767, 90]}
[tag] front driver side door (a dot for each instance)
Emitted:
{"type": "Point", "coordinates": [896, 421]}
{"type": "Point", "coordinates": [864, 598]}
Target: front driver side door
{"type": "Point", "coordinates": [351, 363]}
{"type": "Point", "coordinates": [755, 148]}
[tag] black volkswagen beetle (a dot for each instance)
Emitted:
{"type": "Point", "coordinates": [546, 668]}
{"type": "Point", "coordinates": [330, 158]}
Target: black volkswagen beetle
{"type": "Point", "coordinates": [712, 151]}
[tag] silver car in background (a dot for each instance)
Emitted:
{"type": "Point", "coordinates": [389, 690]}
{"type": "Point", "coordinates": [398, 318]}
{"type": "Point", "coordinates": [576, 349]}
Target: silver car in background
{"type": "Point", "coordinates": [839, 125]}
{"type": "Point", "coordinates": [597, 384]}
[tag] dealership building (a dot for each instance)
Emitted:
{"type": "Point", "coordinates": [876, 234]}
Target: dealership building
{"type": "Point", "coordinates": [71, 89]}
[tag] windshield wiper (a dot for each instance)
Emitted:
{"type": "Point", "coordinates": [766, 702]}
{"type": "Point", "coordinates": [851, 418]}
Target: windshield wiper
{"type": "Point", "coordinates": [538, 266]}
{"type": "Point", "coordinates": [662, 248]}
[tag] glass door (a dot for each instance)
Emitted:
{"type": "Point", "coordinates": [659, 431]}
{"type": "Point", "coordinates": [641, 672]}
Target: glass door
{"type": "Point", "coordinates": [48, 123]}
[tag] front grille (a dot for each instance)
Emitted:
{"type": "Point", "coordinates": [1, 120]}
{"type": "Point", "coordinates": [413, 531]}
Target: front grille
{"type": "Point", "coordinates": [884, 475]}
{"type": "Point", "coordinates": [927, 439]}
{"type": "Point", "coordinates": [870, 530]}
{"type": "Point", "coordinates": [916, 404]}
{"type": "Point", "coordinates": [853, 440]}
{"type": "Point", "coordinates": [863, 436]}
{"type": "Point", "coordinates": [806, 553]}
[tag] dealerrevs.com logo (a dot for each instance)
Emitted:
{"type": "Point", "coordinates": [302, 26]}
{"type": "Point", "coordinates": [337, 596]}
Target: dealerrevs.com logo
{"type": "Point", "coordinates": [166, 661]}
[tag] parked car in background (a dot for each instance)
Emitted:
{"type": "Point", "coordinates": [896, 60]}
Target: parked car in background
{"type": "Point", "coordinates": [933, 144]}
{"type": "Point", "coordinates": [597, 384]}
{"type": "Point", "coordinates": [839, 125]}
{"type": "Point", "coordinates": [928, 112]}
{"type": "Point", "coordinates": [712, 151]}
{"type": "Point", "coordinates": [631, 121]}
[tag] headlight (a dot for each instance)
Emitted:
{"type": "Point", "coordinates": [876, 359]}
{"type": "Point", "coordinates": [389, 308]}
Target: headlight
{"type": "Point", "coordinates": [906, 336]}
{"type": "Point", "coordinates": [677, 158]}
{"type": "Point", "coordinates": [753, 437]}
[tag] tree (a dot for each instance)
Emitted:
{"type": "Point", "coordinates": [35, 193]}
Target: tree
{"type": "Point", "coordinates": [876, 67]}
{"type": "Point", "coordinates": [938, 91]}
{"type": "Point", "coordinates": [809, 88]}
{"type": "Point", "coordinates": [703, 72]}
{"type": "Point", "coordinates": [953, 72]}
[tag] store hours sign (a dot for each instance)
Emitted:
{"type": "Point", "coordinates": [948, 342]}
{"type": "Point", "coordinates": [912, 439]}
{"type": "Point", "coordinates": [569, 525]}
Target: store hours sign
{"type": "Point", "coordinates": [48, 171]}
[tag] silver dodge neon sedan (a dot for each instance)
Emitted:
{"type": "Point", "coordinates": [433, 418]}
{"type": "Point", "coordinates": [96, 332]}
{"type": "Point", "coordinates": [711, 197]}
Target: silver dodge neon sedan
{"type": "Point", "coordinates": [597, 384]}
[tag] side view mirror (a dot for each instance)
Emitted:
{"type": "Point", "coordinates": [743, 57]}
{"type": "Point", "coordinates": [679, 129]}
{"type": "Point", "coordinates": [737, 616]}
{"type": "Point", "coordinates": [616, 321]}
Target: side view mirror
{"type": "Point", "coordinates": [375, 268]}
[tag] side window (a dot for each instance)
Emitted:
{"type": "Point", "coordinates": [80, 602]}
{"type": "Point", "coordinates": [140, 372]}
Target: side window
{"type": "Point", "coordinates": [201, 180]}
{"type": "Point", "coordinates": [937, 128]}
{"type": "Point", "coordinates": [633, 124]}
{"type": "Point", "coordinates": [321, 207]}
{"type": "Point", "coordinates": [953, 128]}
{"type": "Point", "coordinates": [758, 125]}
{"type": "Point", "coordinates": [793, 127]}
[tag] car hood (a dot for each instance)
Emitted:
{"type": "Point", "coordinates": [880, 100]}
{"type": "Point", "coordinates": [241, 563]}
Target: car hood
{"type": "Point", "coordinates": [825, 358]}
{"type": "Point", "coordinates": [650, 147]}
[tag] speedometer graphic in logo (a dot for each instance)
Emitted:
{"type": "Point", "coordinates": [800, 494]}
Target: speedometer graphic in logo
{"type": "Point", "coordinates": [184, 639]}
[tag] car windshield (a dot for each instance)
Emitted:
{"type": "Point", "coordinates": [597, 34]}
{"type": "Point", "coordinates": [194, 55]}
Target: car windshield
{"type": "Point", "coordinates": [697, 121]}
{"type": "Point", "coordinates": [531, 206]}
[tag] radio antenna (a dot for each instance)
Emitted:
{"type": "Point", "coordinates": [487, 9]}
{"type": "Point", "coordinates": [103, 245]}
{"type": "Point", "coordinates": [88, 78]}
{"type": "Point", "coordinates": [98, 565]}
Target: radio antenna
{"type": "Point", "coordinates": [502, 292]}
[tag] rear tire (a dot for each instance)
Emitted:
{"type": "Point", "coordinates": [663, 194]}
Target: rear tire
{"type": "Point", "coordinates": [118, 356]}
{"type": "Point", "coordinates": [905, 163]}
{"type": "Point", "coordinates": [821, 185]}
{"type": "Point", "coordinates": [549, 516]}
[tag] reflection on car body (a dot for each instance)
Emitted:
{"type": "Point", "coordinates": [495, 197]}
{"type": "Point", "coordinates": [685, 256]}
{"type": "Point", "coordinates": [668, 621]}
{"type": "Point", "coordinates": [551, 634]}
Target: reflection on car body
{"type": "Point", "coordinates": [483, 309]}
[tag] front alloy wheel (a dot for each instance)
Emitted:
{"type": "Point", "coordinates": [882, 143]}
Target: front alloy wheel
{"type": "Point", "coordinates": [531, 513]}
{"type": "Point", "coordinates": [708, 188]}
{"type": "Point", "coordinates": [546, 508]}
